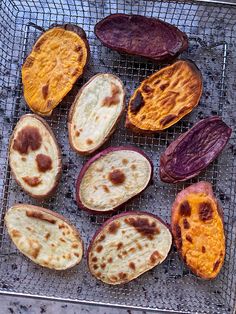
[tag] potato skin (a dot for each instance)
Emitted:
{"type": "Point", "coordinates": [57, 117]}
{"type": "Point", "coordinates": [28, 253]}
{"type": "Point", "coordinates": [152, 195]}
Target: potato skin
{"type": "Point", "coordinates": [59, 173]}
{"type": "Point", "coordinates": [96, 157]}
{"type": "Point", "coordinates": [116, 31]}
{"type": "Point", "coordinates": [201, 188]}
{"type": "Point", "coordinates": [194, 142]}
{"type": "Point", "coordinates": [116, 217]}
{"type": "Point", "coordinates": [71, 112]}
{"type": "Point", "coordinates": [68, 27]}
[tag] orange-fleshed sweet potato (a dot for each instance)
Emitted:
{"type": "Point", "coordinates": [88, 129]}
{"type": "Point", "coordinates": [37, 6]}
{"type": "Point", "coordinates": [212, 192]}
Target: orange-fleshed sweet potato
{"type": "Point", "coordinates": [56, 61]}
{"type": "Point", "coordinates": [165, 97]}
{"type": "Point", "coordinates": [198, 230]}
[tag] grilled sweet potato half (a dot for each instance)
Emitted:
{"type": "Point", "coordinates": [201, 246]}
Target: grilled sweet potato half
{"type": "Point", "coordinates": [141, 36]}
{"type": "Point", "coordinates": [111, 178]}
{"type": "Point", "coordinates": [194, 150]}
{"type": "Point", "coordinates": [165, 97]}
{"type": "Point", "coordinates": [44, 236]}
{"type": "Point", "coordinates": [127, 245]}
{"type": "Point", "coordinates": [198, 230]}
{"type": "Point", "coordinates": [95, 112]}
{"type": "Point", "coordinates": [57, 60]}
{"type": "Point", "coordinates": [35, 157]}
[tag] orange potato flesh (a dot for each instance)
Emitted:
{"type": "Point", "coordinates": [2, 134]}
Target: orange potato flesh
{"type": "Point", "coordinates": [199, 234]}
{"type": "Point", "coordinates": [56, 61]}
{"type": "Point", "coordinates": [165, 97]}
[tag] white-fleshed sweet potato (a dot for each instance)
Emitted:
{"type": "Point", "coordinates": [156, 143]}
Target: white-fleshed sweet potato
{"type": "Point", "coordinates": [127, 245]}
{"type": "Point", "coordinates": [44, 236]}
{"type": "Point", "coordinates": [95, 112]}
{"type": "Point", "coordinates": [35, 157]}
{"type": "Point", "coordinates": [111, 178]}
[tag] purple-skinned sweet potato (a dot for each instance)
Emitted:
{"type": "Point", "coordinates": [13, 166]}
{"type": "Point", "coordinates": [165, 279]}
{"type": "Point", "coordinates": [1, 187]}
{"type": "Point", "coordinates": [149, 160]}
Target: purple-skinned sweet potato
{"type": "Point", "coordinates": [111, 178]}
{"type": "Point", "coordinates": [127, 245]}
{"type": "Point", "coordinates": [194, 150]}
{"type": "Point", "coordinates": [141, 36]}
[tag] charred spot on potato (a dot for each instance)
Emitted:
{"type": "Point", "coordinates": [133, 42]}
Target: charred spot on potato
{"type": "Point", "coordinates": [26, 139]}
{"type": "Point", "coordinates": [114, 278]}
{"type": "Point", "coordinates": [132, 265]}
{"type": "Point", "coordinates": [125, 161]}
{"type": "Point", "coordinates": [39, 215]}
{"type": "Point", "coordinates": [166, 120]}
{"type": "Point", "coordinates": [178, 235]}
{"type": "Point", "coordinates": [62, 240]}
{"type": "Point", "coordinates": [105, 188]}
{"type": "Point", "coordinates": [47, 235]}
{"type": "Point", "coordinates": [147, 89]}
{"type": "Point", "coordinates": [205, 211]}
{"type": "Point", "coordinates": [74, 245]}
{"type": "Point", "coordinates": [143, 117]}
{"type": "Point", "coordinates": [124, 252]}
{"type": "Point", "coordinates": [203, 249]}
{"type": "Point", "coordinates": [155, 257]}
{"type": "Point", "coordinates": [185, 209]}
{"type": "Point", "coordinates": [110, 260]}
{"type": "Point", "coordinates": [102, 237]}
{"type": "Point", "coordinates": [114, 98]}
{"type": "Point", "coordinates": [122, 275]}
{"type": "Point", "coordinates": [120, 256]}
{"type": "Point", "coordinates": [99, 248]}
{"type": "Point", "coordinates": [45, 89]}
{"type": "Point", "coordinates": [116, 177]}
{"type": "Point", "coordinates": [216, 265]}
{"type": "Point", "coordinates": [23, 158]}
{"type": "Point", "coordinates": [189, 238]}
{"type": "Point", "coordinates": [29, 62]}
{"type": "Point", "coordinates": [15, 233]}
{"type": "Point", "coordinates": [186, 224]}
{"type": "Point", "coordinates": [76, 254]}
{"type": "Point", "coordinates": [164, 86]}
{"type": "Point", "coordinates": [133, 167]}
{"type": "Point", "coordinates": [119, 245]}
{"type": "Point", "coordinates": [113, 227]}
{"type": "Point", "coordinates": [94, 259]}
{"type": "Point", "coordinates": [32, 181]}
{"type": "Point", "coordinates": [77, 133]}
{"type": "Point", "coordinates": [89, 141]}
{"type": "Point", "coordinates": [137, 103]}
{"type": "Point", "coordinates": [95, 266]}
{"type": "Point", "coordinates": [44, 162]}
{"type": "Point", "coordinates": [103, 265]}
{"type": "Point", "coordinates": [143, 226]}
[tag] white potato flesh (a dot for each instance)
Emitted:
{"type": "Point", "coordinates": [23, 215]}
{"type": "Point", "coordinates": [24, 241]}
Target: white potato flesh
{"type": "Point", "coordinates": [44, 237]}
{"type": "Point", "coordinates": [99, 190]}
{"type": "Point", "coordinates": [95, 112]}
{"type": "Point", "coordinates": [34, 180]}
{"type": "Point", "coordinates": [128, 246]}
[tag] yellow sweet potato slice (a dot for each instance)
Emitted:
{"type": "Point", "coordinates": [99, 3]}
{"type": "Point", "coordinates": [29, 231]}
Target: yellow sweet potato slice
{"type": "Point", "coordinates": [56, 61]}
{"type": "Point", "coordinates": [165, 97]}
{"type": "Point", "coordinates": [198, 230]}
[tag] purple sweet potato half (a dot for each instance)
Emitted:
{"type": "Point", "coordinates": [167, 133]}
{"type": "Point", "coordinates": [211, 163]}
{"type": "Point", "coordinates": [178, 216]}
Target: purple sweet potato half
{"type": "Point", "coordinates": [127, 245]}
{"type": "Point", "coordinates": [111, 178]}
{"type": "Point", "coordinates": [194, 150]}
{"type": "Point", "coordinates": [141, 36]}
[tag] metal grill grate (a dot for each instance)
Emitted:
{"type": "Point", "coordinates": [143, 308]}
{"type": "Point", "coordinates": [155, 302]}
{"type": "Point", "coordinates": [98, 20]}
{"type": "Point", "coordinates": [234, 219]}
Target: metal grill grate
{"type": "Point", "coordinates": [212, 32]}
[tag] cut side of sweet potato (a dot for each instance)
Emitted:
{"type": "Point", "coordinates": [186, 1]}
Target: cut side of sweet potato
{"type": "Point", "coordinates": [127, 245]}
{"type": "Point", "coordinates": [194, 150]}
{"type": "Point", "coordinates": [141, 36]}
{"type": "Point", "coordinates": [111, 178]}
{"type": "Point", "coordinates": [95, 112]}
{"type": "Point", "coordinates": [44, 236]}
{"type": "Point", "coordinates": [35, 157]}
{"type": "Point", "coordinates": [57, 60]}
{"type": "Point", "coordinates": [165, 97]}
{"type": "Point", "coordinates": [198, 230]}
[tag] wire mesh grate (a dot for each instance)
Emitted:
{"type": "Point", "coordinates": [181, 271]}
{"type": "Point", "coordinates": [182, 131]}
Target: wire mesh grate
{"type": "Point", "coordinates": [211, 29]}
